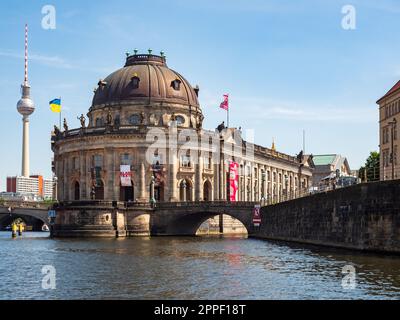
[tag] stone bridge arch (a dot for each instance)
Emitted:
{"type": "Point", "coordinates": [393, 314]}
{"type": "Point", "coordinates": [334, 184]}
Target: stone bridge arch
{"type": "Point", "coordinates": [185, 220]}
{"type": "Point", "coordinates": [16, 212]}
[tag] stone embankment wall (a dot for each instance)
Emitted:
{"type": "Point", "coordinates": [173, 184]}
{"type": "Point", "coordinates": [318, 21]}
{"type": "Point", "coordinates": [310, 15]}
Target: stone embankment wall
{"type": "Point", "coordinates": [363, 217]}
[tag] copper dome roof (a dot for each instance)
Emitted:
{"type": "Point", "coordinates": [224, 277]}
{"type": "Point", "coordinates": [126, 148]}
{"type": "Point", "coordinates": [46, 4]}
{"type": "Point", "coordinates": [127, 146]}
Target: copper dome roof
{"type": "Point", "coordinates": [146, 78]}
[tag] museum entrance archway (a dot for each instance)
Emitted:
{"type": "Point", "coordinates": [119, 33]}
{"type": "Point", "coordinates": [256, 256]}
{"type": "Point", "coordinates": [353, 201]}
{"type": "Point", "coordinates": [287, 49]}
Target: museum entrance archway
{"type": "Point", "coordinates": [76, 191]}
{"type": "Point", "coordinates": [99, 191]}
{"type": "Point", "coordinates": [126, 193]}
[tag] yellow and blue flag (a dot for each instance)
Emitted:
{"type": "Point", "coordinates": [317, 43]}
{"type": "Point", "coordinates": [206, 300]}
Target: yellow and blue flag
{"type": "Point", "coordinates": [55, 105]}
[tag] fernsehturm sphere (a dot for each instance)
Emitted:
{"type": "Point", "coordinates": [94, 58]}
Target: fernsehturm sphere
{"type": "Point", "coordinates": [25, 107]}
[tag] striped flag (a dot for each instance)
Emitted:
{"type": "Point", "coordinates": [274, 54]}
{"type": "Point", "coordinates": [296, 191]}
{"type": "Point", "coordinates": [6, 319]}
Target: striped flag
{"type": "Point", "coordinates": [55, 105]}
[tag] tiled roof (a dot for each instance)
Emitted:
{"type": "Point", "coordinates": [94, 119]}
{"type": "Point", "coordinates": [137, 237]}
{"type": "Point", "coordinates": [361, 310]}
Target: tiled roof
{"type": "Point", "coordinates": [325, 159]}
{"type": "Point", "coordinates": [394, 88]}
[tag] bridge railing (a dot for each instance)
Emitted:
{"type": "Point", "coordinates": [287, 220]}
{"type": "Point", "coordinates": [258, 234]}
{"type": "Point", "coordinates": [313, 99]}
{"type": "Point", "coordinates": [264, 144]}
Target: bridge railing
{"type": "Point", "coordinates": [24, 204]}
{"type": "Point", "coordinates": [205, 203]}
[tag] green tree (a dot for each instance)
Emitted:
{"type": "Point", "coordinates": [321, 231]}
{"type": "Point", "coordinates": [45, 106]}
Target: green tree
{"type": "Point", "coordinates": [370, 171]}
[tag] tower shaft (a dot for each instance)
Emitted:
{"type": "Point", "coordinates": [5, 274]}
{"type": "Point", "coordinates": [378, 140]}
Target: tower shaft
{"type": "Point", "coordinates": [25, 147]}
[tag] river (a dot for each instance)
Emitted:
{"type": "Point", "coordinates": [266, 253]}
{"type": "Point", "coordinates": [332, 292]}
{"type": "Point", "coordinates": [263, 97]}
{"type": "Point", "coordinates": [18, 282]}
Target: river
{"type": "Point", "coordinates": [189, 268]}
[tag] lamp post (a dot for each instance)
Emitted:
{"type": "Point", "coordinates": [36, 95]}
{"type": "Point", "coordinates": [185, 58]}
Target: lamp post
{"type": "Point", "coordinates": [286, 187]}
{"type": "Point", "coordinates": [393, 126]}
{"type": "Point", "coordinates": [152, 199]}
{"type": "Point", "coordinates": [263, 186]}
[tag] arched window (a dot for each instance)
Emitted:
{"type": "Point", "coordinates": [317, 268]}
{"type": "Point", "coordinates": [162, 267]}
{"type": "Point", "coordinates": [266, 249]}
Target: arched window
{"type": "Point", "coordinates": [207, 191]}
{"type": "Point", "coordinates": [185, 190]}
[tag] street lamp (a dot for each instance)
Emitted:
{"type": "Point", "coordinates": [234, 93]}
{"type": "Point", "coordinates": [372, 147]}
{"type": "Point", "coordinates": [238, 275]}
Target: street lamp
{"type": "Point", "coordinates": [263, 186]}
{"type": "Point", "coordinates": [152, 199]}
{"type": "Point", "coordinates": [286, 186]}
{"type": "Point", "coordinates": [393, 126]}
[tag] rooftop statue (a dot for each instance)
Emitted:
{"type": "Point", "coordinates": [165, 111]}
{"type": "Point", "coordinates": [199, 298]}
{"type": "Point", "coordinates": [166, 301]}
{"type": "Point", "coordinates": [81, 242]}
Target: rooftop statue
{"type": "Point", "coordinates": [82, 120]}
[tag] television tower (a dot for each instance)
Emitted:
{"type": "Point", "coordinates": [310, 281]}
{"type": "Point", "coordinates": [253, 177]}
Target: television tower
{"type": "Point", "coordinates": [25, 107]}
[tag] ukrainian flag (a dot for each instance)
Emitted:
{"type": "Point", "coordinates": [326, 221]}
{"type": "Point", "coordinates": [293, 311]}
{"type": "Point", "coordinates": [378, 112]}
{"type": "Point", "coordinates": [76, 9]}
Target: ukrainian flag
{"type": "Point", "coordinates": [55, 105]}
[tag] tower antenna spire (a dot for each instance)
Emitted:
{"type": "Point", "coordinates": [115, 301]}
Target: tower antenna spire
{"type": "Point", "coordinates": [26, 56]}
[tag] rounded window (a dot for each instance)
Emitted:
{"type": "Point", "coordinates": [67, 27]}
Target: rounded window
{"type": "Point", "coordinates": [180, 120]}
{"type": "Point", "coordinates": [134, 119]}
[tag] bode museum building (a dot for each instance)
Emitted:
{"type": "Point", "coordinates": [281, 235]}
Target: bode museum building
{"type": "Point", "coordinates": [143, 144]}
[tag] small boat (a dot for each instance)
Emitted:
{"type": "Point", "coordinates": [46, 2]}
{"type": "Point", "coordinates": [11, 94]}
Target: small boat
{"type": "Point", "coordinates": [45, 228]}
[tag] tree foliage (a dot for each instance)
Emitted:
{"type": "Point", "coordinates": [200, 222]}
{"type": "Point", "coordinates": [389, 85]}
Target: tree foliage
{"type": "Point", "coordinates": [370, 171]}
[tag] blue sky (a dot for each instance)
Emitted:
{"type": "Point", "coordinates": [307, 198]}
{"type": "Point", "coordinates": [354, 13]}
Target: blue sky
{"type": "Point", "coordinates": [287, 65]}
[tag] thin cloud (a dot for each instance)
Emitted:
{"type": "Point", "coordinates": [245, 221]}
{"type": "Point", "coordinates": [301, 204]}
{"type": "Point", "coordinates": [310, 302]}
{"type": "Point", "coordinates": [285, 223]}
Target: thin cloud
{"type": "Point", "coordinates": [56, 62]}
{"type": "Point", "coordinates": [259, 109]}
{"type": "Point", "coordinates": [53, 61]}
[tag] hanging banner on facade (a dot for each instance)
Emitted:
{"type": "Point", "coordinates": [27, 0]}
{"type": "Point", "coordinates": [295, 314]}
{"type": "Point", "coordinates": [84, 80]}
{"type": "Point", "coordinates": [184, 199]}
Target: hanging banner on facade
{"type": "Point", "coordinates": [125, 175]}
{"type": "Point", "coordinates": [233, 181]}
{"type": "Point", "coordinates": [257, 215]}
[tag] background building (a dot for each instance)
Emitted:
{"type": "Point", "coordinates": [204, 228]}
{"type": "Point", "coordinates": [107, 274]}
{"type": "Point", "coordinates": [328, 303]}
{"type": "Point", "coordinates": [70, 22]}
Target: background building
{"type": "Point", "coordinates": [389, 108]}
{"type": "Point", "coordinates": [328, 167]}
{"type": "Point", "coordinates": [33, 185]}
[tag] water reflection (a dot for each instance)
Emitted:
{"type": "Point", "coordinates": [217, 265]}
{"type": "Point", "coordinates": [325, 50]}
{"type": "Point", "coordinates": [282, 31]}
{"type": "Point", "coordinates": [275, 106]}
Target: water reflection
{"type": "Point", "coordinates": [189, 268]}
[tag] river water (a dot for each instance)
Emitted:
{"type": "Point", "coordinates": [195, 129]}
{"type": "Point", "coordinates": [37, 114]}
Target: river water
{"type": "Point", "coordinates": [189, 268]}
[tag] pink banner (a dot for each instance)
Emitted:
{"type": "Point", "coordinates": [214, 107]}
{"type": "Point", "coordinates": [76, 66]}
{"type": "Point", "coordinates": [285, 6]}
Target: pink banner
{"type": "Point", "coordinates": [233, 181]}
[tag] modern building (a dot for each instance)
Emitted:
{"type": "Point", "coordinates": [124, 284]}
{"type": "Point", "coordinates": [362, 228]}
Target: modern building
{"type": "Point", "coordinates": [389, 109]}
{"type": "Point", "coordinates": [328, 167]}
{"type": "Point", "coordinates": [33, 185]}
{"type": "Point", "coordinates": [145, 142]}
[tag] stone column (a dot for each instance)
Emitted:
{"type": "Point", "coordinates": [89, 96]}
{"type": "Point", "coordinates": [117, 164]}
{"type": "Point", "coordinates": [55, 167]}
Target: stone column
{"type": "Point", "coordinates": [88, 176]}
{"type": "Point", "coordinates": [173, 188]}
{"type": "Point", "coordinates": [65, 177]}
{"type": "Point", "coordinates": [142, 184]}
{"type": "Point", "coordinates": [216, 181]}
{"type": "Point", "coordinates": [198, 178]}
{"type": "Point", "coordinates": [110, 174]}
{"type": "Point", "coordinates": [82, 175]}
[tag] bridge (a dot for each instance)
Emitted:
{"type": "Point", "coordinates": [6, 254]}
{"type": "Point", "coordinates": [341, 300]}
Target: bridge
{"type": "Point", "coordinates": [363, 217]}
{"type": "Point", "coordinates": [11, 210]}
{"type": "Point", "coordinates": [172, 218]}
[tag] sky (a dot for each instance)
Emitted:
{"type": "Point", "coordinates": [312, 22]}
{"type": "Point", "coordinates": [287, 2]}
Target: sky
{"type": "Point", "coordinates": [288, 66]}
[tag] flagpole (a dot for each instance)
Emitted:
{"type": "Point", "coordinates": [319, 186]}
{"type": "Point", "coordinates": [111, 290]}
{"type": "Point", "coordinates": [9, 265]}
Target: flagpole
{"type": "Point", "coordinates": [227, 118]}
{"type": "Point", "coordinates": [60, 113]}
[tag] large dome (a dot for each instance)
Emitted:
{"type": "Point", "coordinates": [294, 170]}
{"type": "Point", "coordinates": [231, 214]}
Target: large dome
{"type": "Point", "coordinates": [145, 78]}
